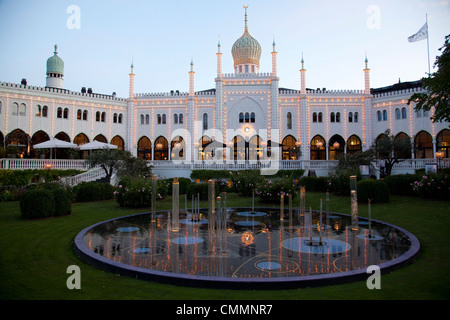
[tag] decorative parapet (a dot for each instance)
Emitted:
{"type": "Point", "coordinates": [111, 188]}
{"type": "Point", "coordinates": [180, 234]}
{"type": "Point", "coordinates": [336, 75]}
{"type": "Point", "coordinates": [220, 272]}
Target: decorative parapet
{"type": "Point", "coordinates": [161, 94]}
{"type": "Point", "coordinates": [409, 91]}
{"type": "Point", "coordinates": [66, 92]}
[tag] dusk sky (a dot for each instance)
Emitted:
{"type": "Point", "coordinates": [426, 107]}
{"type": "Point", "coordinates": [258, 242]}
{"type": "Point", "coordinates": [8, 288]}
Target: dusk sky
{"type": "Point", "coordinates": [162, 37]}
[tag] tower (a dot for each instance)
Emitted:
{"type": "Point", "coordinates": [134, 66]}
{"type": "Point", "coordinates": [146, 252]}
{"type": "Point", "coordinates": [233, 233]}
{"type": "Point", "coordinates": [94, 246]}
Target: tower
{"type": "Point", "coordinates": [246, 52]}
{"type": "Point", "coordinates": [303, 77]}
{"type": "Point", "coordinates": [219, 61]}
{"type": "Point", "coordinates": [367, 77]}
{"type": "Point", "coordinates": [55, 71]}
{"type": "Point", "coordinates": [131, 115]}
{"type": "Point", "coordinates": [274, 60]}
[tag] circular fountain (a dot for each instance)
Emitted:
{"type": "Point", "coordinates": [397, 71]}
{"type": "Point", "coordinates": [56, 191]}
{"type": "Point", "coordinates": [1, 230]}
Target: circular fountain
{"type": "Point", "coordinates": [245, 248]}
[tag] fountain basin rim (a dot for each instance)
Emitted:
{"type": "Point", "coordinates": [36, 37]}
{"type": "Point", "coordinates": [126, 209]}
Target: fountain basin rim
{"type": "Point", "coordinates": [119, 268]}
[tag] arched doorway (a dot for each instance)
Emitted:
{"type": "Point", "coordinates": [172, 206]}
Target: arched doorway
{"type": "Point", "coordinates": [255, 149]}
{"type": "Point", "coordinates": [336, 147]}
{"type": "Point", "coordinates": [144, 149]}
{"type": "Point", "coordinates": [402, 146]}
{"type": "Point", "coordinates": [318, 148]}
{"type": "Point", "coordinates": [17, 142]}
{"type": "Point", "coordinates": [353, 145]}
{"type": "Point", "coordinates": [101, 138]}
{"type": "Point", "coordinates": [443, 143]}
{"type": "Point", "coordinates": [161, 149]}
{"type": "Point", "coordinates": [289, 149]}
{"type": "Point", "coordinates": [177, 148]}
{"type": "Point", "coordinates": [239, 148]}
{"type": "Point", "coordinates": [423, 146]}
{"type": "Point", "coordinates": [39, 137]}
{"type": "Point", "coordinates": [81, 139]}
{"type": "Point", "coordinates": [63, 136]}
{"type": "Point", "coordinates": [204, 142]}
{"type": "Point", "coordinates": [118, 141]}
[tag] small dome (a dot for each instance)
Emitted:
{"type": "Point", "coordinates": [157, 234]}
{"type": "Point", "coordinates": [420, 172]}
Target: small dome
{"type": "Point", "coordinates": [55, 64]}
{"type": "Point", "coordinates": [246, 49]}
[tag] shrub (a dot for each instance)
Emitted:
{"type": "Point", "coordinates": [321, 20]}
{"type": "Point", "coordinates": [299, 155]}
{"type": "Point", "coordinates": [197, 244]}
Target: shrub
{"type": "Point", "coordinates": [271, 190]}
{"type": "Point", "coordinates": [93, 191]}
{"type": "Point", "coordinates": [37, 203]}
{"type": "Point", "coordinates": [376, 190]}
{"type": "Point", "coordinates": [319, 184]}
{"type": "Point", "coordinates": [401, 184]}
{"type": "Point", "coordinates": [244, 182]}
{"type": "Point", "coordinates": [63, 203]}
{"type": "Point", "coordinates": [138, 192]}
{"type": "Point", "coordinates": [433, 186]}
{"type": "Point", "coordinates": [202, 189]}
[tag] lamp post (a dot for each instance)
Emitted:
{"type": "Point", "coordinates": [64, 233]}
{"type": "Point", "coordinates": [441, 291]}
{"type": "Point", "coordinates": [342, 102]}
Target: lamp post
{"type": "Point", "coordinates": [439, 156]}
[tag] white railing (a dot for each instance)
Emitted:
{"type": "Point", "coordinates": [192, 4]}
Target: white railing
{"type": "Point", "coordinates": [24, 164]}
{"type": "Point", "coordinates": [91, 175]}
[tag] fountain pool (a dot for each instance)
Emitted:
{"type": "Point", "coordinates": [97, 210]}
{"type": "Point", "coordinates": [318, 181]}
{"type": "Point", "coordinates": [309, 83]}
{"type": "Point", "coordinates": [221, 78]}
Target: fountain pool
{"type": "Point", "coordinates": [245, 248]}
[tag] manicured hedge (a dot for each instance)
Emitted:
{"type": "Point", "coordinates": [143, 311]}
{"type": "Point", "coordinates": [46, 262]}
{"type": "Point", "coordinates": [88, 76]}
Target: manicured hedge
{"type": "Point", "coordinates": [375, 190]}
{"type": "Point", "coordinates": [93, 191]}
{"type": "Point", "coordinates": [38, 203]}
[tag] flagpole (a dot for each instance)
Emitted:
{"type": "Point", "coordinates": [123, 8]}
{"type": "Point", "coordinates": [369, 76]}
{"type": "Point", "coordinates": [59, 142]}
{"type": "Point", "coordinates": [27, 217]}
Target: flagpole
{"type": "Point", "coordinates": [428, 47]}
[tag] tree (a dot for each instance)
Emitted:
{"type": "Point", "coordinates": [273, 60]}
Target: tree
{"type": "Point", "coordinates": [118, 161]}
{"type": "Point", "coordinates": [438, 86]}
{"type": "Point", "coordinates": [392, 150]}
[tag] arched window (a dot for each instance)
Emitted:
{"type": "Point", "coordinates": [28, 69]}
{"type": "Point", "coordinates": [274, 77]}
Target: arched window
{"type": "Point", "coordinates": [164, 118]}
{"type": "Point", "coordinates": [252, 117]}
{"type": "Point", "coordinates": [379, 115]}
{"type": "Point", "coordinates": [66, 113]}
{"type": "Point", "coordinates": [397, 114]}
{"type": "Point", "coordinates": [402, 146]}
{"type": "Point", "coordinates": [355, 119]}
{"type": "Point", "coordinates": [255, 150]}
{"type": "Point", "coordinates": [336, 147]}
{"type": "Point", "coordinates": [85, 115]}
{"type": "Point", "coordinates": [403, 113]}
{"type": "Point", "coordinates": [59, 112]}
{"type": "Point", "coordinates": [97, 116]}
{"type": "Point", "coordinates": [159, 119]}
{"type": "Point", "coordinates": [318, 148]}
{"type": "Point", "coordinates": [45, 111]}
{"type": "Point", "coordinates": [175, 118]}
{"type": "Point", "coordinates": [120, 118]}
{"type": "Point", "coordinates": [350, 117]}
{"type": "Point", "coordinates": [142, 119]}
{"type": "Point", "coordinates": [423, 146]}
{"type": "Point", "coordinates": [177, 149]}
{"type": "Point", "coordinates": [39, 111]}
{"type": "Point", "coordinates": [180, 118]}
{"type": "Point", "coordinates": [314, 117]}
{"type": "Point", "coordinates": [161, 149]}
{"type": "Point", "coordinates": [247, 117]}
{"type": "Point", "coordinates": [144, 148]}
{"type": "Point", "coordinates": [338, 117]}
{"type": "Point", "coordinates": [443, 142]}
{"type": "Point", "coordinates": [241, 117]}
{"type": "Point", "coordinates": [79, 114]}
{"type": "Point", "coordinates": [289, 120]}
{"type": "Point", "coordinates": [353, 145]}
{"type": "Point", "coordinates": [205, 121]}
{"type": "Point", "coordinates": [118, 141]}
{"type": "Point", "coordinates": [320, 118]}
{"type": "Point", "coordinates": [23, 109]}
{"type": "Point", "coordinates": [81, 139]}
{"type": "Point", "coordinates": [103, 116]}
{"type": "Point", "coordinates": [332, 117]}
{"type": "Point", "coordinates": [384, 115]}
{"type": "Point", "coordinates": [115, 118]}
{"type": "Point", "coordinates": [147, 119]}
{"type": "Point", "coordinates": [290, 150]}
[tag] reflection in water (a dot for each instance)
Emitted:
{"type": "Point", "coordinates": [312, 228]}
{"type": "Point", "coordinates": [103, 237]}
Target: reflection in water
{"type": "Point", "coordinates": [243, 245]}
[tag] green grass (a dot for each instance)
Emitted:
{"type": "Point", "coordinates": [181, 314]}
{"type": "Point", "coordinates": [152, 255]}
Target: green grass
{"type": "Point", "coordinates": [34, 256]}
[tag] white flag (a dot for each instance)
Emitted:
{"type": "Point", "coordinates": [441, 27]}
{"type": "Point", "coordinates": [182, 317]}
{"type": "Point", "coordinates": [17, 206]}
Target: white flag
{"type": "Point", "coordinates": [420, 35]}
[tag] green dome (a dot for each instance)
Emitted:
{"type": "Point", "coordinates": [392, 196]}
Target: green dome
{"type": "Point", "coordinates": [55, 64]}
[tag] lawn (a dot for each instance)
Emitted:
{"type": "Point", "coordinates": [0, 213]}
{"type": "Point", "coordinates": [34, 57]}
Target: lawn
{"type": "Point", "coordinates": [35, 254]}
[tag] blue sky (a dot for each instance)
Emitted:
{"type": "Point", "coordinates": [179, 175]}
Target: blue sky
{"type": "Point", "coordinates": [163, 36]}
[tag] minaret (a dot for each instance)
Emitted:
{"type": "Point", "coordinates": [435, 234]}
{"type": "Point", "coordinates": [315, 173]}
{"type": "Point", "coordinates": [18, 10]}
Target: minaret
{"type": "Point", "coordinates": [191, 80]}
{"type": "Point", "coordinates": [303, 77]}
{"type": "Point", "coordinates": [219, 61]}
{"type": "Point", "coordinates": [131, 84]}
{"type": "Point", "coordinates": [367, 77]}
{"type": "Point", "coordinates": [274, 60]}
{"type": "Point", "coordinates": [131, 116]}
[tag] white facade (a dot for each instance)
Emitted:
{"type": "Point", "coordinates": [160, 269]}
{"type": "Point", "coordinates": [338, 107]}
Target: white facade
{"type": "Point", "coordinates": [246, 113]}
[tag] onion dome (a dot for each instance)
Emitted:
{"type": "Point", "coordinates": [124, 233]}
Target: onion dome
{"type": "Point", "coordinates": [246, 49]}
{"type": "Point", "coordinates": [55, 65]}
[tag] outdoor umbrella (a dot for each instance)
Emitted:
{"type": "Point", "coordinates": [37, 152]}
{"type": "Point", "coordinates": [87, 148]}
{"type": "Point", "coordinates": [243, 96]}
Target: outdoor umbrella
{"type": "Point", "coordinates": [96, 145]}
{"type": "Point", "coordinates": [54, 144]}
